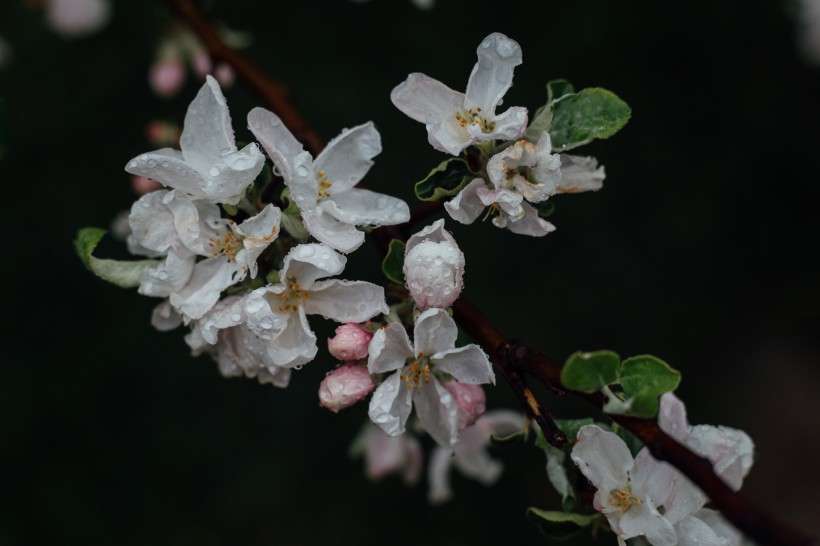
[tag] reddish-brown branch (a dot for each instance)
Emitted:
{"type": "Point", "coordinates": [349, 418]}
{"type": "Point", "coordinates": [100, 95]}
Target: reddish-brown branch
{"type": "Point", "coordinates": [511, 358]}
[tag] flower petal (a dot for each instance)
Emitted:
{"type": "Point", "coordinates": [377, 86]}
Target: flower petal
{"type": "Point", "coordinates": [435, 331]}
{"type": "Point", "coordinates": [258, 231]}
{"type": "Point", "coordinates": [657, 480]}
{"type": "Point", "coordinates": [347, 158]}
{"type": "Point", "coordinates": [164, 318]}
{"type": "Point", "coordinates": [169, 168]}
{"type": "Point", "coordinates": [644, 519]}
{"type": "Point", "coordinates": [169, 276]}
{"type": "Point", "coordinates": [694, 532]}
{"type": "Point", "coordinates": [425, 99]}
{"type": "Point", "coordinates": [438, 475]}
{"type": "Point", "coordinates": [207, 131]}
{"type": "Point", "coordinates": [308, 262]}
{"type": "Point", "coordinates": [435, 233]}
{"type": "Point", "coordinates": [332, 232]}
{"type": "Point", "coordinates": [580, 174]}
{"type": "Point", "coordinates": [602, 457]}
{"type": "Point", "coordinates": [389, 349]}
{"type": "Point", "coordinates": [209, 278]}
{"type": "Point", "coordinates": [730, 450]}
{"type": "Point", "coordinates": [466, 206]}
{"type": "Point", "coordinates": [468, 364]}
{"type": "Point", "coordinates": [437, 411]}
{"type": "Point", "coordinates": [510, 125]}
{"type": "Point", "coordinates": [278, 142]}
{"type": "Point", "coordinates": [720, 526]}
{"type": "Point", "coordinates": [346, 301]}
{"type": "Point", "coordinates": [390, 405]}
{"type": "Point", "coordinates": [492, 75]}
{"type": "Point", "coordinates": [363, 207]}
{"type": "Point", "coordinates": [478, 465]}
{"type": "Point", "coordinates": [531, 224]}
{"type": "Point", "coordinates": [672, 417]}
{"type": "Point", "coordinates": [295, 345]}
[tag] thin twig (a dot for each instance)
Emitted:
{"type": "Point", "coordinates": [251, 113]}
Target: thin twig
{"type": "Point", "coordinates": [511, 358]}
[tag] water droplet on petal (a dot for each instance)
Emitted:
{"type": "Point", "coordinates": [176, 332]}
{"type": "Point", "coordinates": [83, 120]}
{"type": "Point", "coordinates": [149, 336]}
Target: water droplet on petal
{"type": "Point", "coordinates": [214, 171]}
{"type": "Point", "coordinates": [236, 317]}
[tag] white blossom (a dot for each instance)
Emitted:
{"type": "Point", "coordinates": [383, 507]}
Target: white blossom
{"type": "Point", "coordinates": [414, 380]}
{"type": "Point", "coordinates": [323, 188]}
{"type": "Point", "coordinates": [209, 165]}
{"type": "Point", "coordinates": [470, 454]}
{"type": "Point", "coordinates": [456, 120]}
{"type": "Point", "coordinates": [433, 267]}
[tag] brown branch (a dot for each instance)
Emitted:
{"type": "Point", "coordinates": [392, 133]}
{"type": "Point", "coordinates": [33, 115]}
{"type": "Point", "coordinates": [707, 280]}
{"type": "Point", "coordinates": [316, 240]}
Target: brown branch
{"type": "Point", "coordinates": [511, 358]}
{"type": "Point", "coordinates": [275, 96]}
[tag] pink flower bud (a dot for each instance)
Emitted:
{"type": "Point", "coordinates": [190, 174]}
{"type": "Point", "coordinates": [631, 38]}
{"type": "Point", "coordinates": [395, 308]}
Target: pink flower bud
{"type": "Point", "coordinates": [224, 74]}
{"type": "Point", "coordinates": [345, 386]}
{"type": "Point", "coordinates": [350, 342]}
{"type": "Point", "coordinates": [142, 185]}
{"type": "Point", "coordinates": [74, 18]}
{"type": "Point", "coordinates": [433, 267]}
{"type": "Point", "coordinates": [162, 134]}
{"type": "Point", "coordinates": [470, 399]}
{"type": "Point", "coordinates": [201, 62]}
{"type": "Point", "coordinates": [166, 77]}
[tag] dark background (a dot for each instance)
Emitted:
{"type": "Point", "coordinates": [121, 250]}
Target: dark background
{"type": "Point", "coordinates": [701, 249]}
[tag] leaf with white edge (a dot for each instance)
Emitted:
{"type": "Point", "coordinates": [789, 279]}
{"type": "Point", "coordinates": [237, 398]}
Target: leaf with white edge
{"type": "Point", "coordinates": [579, 118]}
{"type": "Point", "coordinates": [644, 379]}
{"type": "Point", "coordinates": [393, 263]}
{"type": "Point", "coordinates": [588, 372]}
{"type": "Point", "coordinates": [125, 274]}
{"type": "Point", "coordinates": [445, 180]}
{"type": "Point", "coordinates": [560, 525]}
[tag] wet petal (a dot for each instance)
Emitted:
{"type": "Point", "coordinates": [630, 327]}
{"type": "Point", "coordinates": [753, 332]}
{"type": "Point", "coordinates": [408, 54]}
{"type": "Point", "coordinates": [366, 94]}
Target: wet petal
{"type": "Point", "coordinates": [169, 168]}
{"type": "Point", "coordinates": [364, 207]}
{"type": "Point", "coordinates": [466, 206]}
{"type": "Point", "coordinates": [438, 475]}
{"type": "Point", "coordinates": [426, 100]}
{"type": "Point", "coordinates": [435, 331]}
{"type": "Point", "coordinates": [467, 364]}
{"type": "Point", "coordinates": [332, 232]}
{"type": "Point", "coordinates": [346, 301]}
{"type": "Point", "coordinates": [603, 458]}
{"type": "Point", "coordinates": [277, 141]}
{"type": "Point", "coordinates": [169, 276]}
{"type": "Point", "coordinates": [695, 532]}
{"type": "Point", "coordinates": [308, 262]}
{"type": "Point", "coordinates": [531, 224]}
{"type": "Point", "coordinates": [209, 278]}
{"type": "Point", "coordinates": [295, 345]}
{"type": "Point", "coordinates": [672, 417]}
{"type": "Point", "coordinates": [164, 318]}
{"type": "Point", "coordinates": [258, 231]}
{"type": "Point", "coordinates": [389, 349]}
{"type": "Point", "coordinates": [437, 411]}
{"type": "Point", "coordinates": [207, 131]}
{"type": "Point", "coordinates": [580, 174]}
{"type": "Point", "coordinates": [644, 519]}
{"type": "Point", "coordinates": [492, 75]}
{"type": "Point", "coordinates": [390, 405]}
{"type": "Point", "coordinates": [347, 158]}
{"type": "Point", "coordinates": [730, 450]}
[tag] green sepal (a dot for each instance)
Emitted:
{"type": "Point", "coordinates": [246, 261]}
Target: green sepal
{"type": "Point", "coordinates": [445, 180]}
{"type": "Point", "coordinates": [393, 263]}
{"type": "Point", "coordinates": [560, 525]}
{"type": "Point", "coordinates": [291, 220]}
{"type": "Point", "coordinates": [579, 118]}
{"type": "Point", "coordinates": [644, 379]}
{"type": "Point", "coordinates": [272, 277]}
{"type": "Point", "coordinates": [230, 209]}
{"type": "Point", "coordinates": [125, 274]}
{"type": "Point", "coordinates": [589, 372]}
{"type": "Point", "coordinates": [516, 438]}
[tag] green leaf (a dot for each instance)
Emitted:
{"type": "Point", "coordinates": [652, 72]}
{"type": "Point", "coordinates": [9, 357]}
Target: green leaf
{"type": "Point", "coordinates": [560, 525]}
{"type": "Point", "coordinates": [557, 89]}
{"type": "Point", "coordinates": [644, 379]}
{"type": "Point", "coordinates": [588, 372]}
{"type": "Point", "coordinates": [570, 427]}
{"type": "Point", "coordinates": [445, 180]}
{"type": "Point", "coordinates": [579, 118]}
{"type": "Point", "coordinates": [393, 262]}
{"type": "Point", "coordinates": [125, 274]}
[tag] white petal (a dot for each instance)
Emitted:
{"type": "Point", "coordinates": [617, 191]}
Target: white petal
{"type": "Point", "coordinates": [164, 318]}
{"type": "Point", "coordinates": [509, 201]}
{"type": "Point", "coordinates": [295, 345]}
{"type": "Point", "coordinates": [363, 207]}
{"type": "Point", "coordinates": [694, 532]}
{"type": "Point", "coordinates": [672, 417]}
{"type": "Point", "coordinates": [168, 167]}
{"type": "Point", "coordinates": [259, 231]}
{"type": "Point", "coordinates": [347, 158]}
{"type": "Point", "coordinates": [390, 405]}
{"type": "Point", "coordinates": [309, 262]}
{"type": "Point", "coordinates": [492, 75]}
{"type": "Point", "coordinates": [466, 206]}
{"type": "Point", "coordinates": [335, 234]}
{"type": "Point", "coordinates": [228, 176]}
{"type": "Point", "coordinates": [196, 222]}
{"type": "Point", "coordinates": [720, 526]}
{"type": "Point", "coordinates": [389, 349]}
{"type": "Point", "coordinates": [510, 125]}
{"type": "Point", "coordinates": [531, 224]}
{"type": "Point", "coordinates": [644, 519]}
{"type": "Point", "coordinates": [226, 313]}
{"type": "Point", "coordinates": [207, 131]}
{"type": "Point", "coordinates": [437, 411]}
{"type": "Point", "coordinates": [468, 364]}
{"type": "Point", "coordinates": [152, 224]}
{"type": "Point", "coordinates": [209, 278]}
{"type": "Point", "coordinates": [435, 232]}
{"type": "Point", "coordinates": [346, 301]}
{"type": "Point", "coordinates": [438, 475]}
{"type": "Point", "coordinates": [426, 100]}
{"type": "Point", "coordinates": [602, 457]}
{"type": "Point", "coordinates": [278, 377]}
{"type": "Point", "coordinates": [478, 465]}
{"type": "Point", "coordinates": [580, 174]}
{"type": "Point", "coordinates": [279, 143]}
{"type": "Point", "coordinates": [730, 450]}
{"type": "Point", "coordinates": [435, 331]}
{"type": "Point", "coordinates": [169, 276]}
{"type": "Point", "coordinates": [654, 478]}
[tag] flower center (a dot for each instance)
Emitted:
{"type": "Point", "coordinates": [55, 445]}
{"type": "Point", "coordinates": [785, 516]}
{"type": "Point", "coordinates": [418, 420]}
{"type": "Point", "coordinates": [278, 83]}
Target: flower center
{"type": "Point", "coordinates": [622, 499]}
{"type": "Point", "coordinates": [292, 297]}
{"type": "Point", "coordinates": [417, 371]}
{"type": "Point", "coordinates": [324, 185]}
{"type": "Point", "coordinates": [229, 245]}
{"type": "Point", "coordinates": [473, 117]}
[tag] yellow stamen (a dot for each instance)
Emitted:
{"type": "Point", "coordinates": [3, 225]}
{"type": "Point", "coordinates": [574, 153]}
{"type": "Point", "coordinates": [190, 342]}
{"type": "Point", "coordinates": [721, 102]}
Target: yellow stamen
{"type": "Point", "coordinates": [229, 245]}
{"type": "Point", "coordinates": [324, 185]}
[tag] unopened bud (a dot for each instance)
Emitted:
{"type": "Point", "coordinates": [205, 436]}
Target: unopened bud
{"type": "Point", "coordinates": [345, 386]}
{"type": "Point", "coordinates": [433, 267]}
{"type": "Point", "coordinates": [350, 342]}
{"type": "Point", "coordinates": [470, 399]}
{"type": "Point", "coordinates": [166, 77]}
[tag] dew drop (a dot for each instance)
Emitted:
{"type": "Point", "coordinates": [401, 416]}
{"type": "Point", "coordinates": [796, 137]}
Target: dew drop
{"type": "Point", "coordinates": [305, 251]}
{"type": "Point", "coordinates": [214, 171]}
{"type": "Point", "coordinates": [133, 164]}
{"type": "Point", "coordinates": [152, 163]}
{"type": "Point", "coordinates": [299, 367]}
{"type": "Point", "coordinates": [236, 317]}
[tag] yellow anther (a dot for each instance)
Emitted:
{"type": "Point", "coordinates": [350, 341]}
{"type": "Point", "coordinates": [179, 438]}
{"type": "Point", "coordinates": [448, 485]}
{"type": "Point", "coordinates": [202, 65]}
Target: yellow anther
{"type": "Point", "coordinates": [292, 297]}
{"type": "Point", "coordinates": [417, 373]}
{"type": "Point", "coordinates": [229, 245]}
{"type": "Point", "coordinates": [622, 499]}
{"type": "Point", "coordinates": [324, 185]}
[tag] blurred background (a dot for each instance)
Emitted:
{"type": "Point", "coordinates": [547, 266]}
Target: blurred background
{"type": "Point", "coordinates": [701, 249]}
